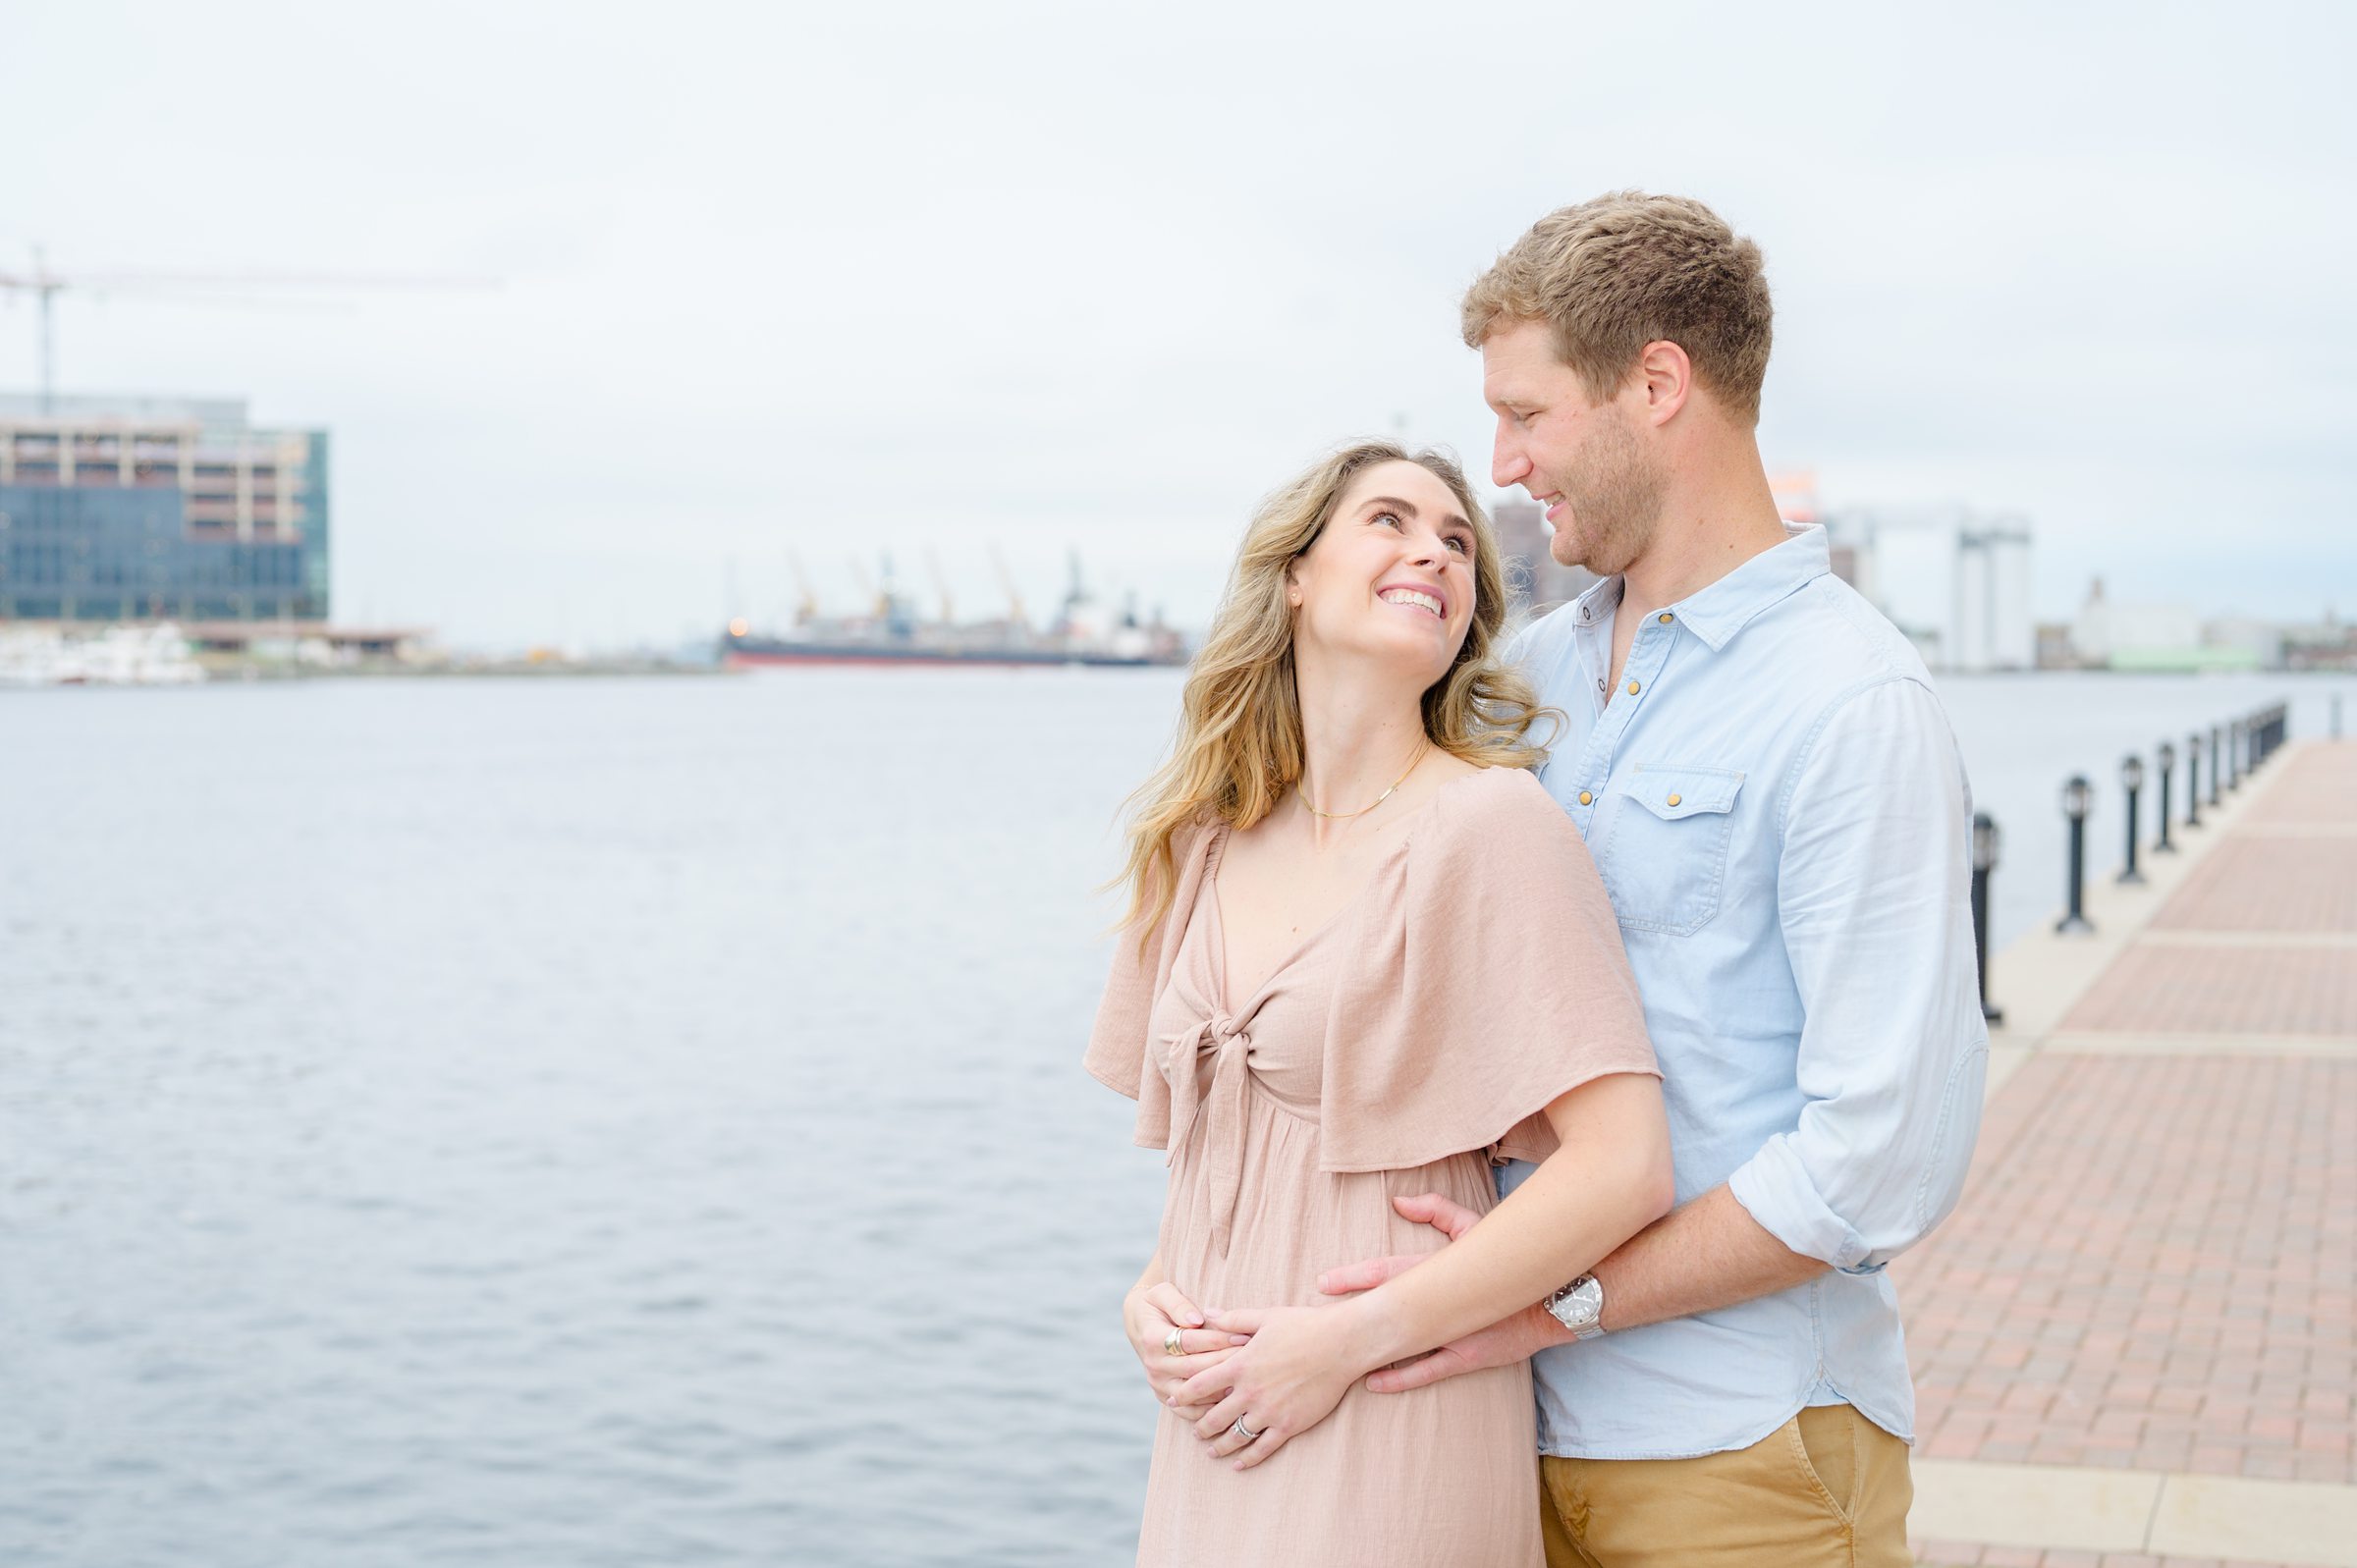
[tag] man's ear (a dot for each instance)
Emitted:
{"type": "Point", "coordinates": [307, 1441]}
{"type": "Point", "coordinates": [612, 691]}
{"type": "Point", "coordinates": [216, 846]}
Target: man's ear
{"type": "Point", "coordinates": [1667, 377]}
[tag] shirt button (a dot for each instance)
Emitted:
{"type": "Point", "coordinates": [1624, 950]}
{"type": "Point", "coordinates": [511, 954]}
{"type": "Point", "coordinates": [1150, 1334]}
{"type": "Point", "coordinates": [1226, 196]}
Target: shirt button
{"type": "Point", "coordinates": [1633, 688]}
{"type": "Point", "coordinates": [1665, 617]}
{"type": "Point", "coordinates": [1675, 799]}
{"type": "Point", "coordinates": [1586, 800]}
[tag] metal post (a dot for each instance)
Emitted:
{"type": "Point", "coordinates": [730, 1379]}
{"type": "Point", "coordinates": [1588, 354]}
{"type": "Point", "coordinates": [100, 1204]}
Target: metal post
{"type": "Point", "coordinates": [1985, 843]}
{"type": "Point", "coordinates": [2167, 756]}
{"type": "Point", "coordinates": [2193, 780]}
{"type": "Point", "coordinates": [2218, 764]}
{"type": "Point", "coordinates": [2077, 799]}
{"type": "Point", "coordinates": [2235, 754]}
{"type": "Point", "coordinates": [2131, 777]}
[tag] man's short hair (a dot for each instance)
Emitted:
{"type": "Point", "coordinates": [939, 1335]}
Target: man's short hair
{"type": "Point", "coordinates": [1625, 269]}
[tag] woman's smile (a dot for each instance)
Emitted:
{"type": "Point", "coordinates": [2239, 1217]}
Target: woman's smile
{"type": "Point", "coordinates": [1429, 600]}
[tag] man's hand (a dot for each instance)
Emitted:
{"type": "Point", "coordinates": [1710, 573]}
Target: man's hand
{"type": "Point", "coordinates": [1148, 1317]}
{"type": "Point", "coordinates": [1500, 1345]}
{"type": "Point", "coordinates": [1450, 1220]}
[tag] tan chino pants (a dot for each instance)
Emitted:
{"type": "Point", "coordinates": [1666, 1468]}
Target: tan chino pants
{"type": "Point", "coordinates": [1829, 1488]}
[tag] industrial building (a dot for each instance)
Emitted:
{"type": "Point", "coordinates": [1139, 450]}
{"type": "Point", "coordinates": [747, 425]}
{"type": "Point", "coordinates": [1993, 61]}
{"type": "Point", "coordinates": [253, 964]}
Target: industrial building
{"type": "Point", "coordinates": [1956, 582]}
{"type": "Point", "coordinates": [146, 509]}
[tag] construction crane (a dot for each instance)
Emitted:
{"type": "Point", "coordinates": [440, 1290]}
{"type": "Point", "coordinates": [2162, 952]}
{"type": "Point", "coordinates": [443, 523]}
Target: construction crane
{"type": "Point", "coordinates": [941, 585]}
{"type": "Point", "coordinates": [45, 285]}
{"type": "Point", "coordinates": [806, 610]}
{"type": "Point", "coordinates": [1014, 600]}
{"type": "Point", "coordinates": [878, 599]}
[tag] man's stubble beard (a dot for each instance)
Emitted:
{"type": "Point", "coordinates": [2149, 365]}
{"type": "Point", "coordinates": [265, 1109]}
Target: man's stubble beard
{"type": "Point", "coordinates": [1615, 501]}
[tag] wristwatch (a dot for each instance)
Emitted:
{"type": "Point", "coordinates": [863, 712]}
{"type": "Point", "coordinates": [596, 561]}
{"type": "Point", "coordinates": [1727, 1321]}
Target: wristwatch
{"type": "Point", "coordinates": [1579, 1307]}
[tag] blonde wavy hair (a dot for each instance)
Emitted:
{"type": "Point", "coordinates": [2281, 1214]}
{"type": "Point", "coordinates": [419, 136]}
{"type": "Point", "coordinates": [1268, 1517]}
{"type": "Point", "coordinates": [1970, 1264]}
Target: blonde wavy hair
{"type": "Point", "coordinates": [1238, 744]}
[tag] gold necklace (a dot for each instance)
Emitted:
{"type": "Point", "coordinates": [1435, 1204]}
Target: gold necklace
{"type": "Point", "coordinates": [1337, 816]}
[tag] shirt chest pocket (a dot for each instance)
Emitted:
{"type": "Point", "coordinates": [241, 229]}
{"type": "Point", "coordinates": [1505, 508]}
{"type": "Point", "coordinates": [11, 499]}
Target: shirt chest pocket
{"type": "Point", "coordinates": [1662, 856]}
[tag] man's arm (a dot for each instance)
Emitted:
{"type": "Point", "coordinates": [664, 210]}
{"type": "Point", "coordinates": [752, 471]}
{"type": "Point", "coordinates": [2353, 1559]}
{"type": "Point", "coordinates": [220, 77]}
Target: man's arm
{"type": "Point", "coordinates": [1708, 1254]}
{"type": "Point", "coordinates": [1871, 892]}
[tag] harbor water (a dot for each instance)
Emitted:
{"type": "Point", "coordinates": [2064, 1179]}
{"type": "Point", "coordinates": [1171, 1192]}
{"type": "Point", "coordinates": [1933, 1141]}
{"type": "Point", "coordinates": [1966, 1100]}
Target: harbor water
{"type": "Point", "coordinates": [609, 1122]}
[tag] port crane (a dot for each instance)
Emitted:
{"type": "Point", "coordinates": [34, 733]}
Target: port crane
{"type": "Point", "coordinates": [941, 586]}
{"type": "Point", "coordinates": [1015, 599]}
{"type": "Point", "coordinates": [45, 284]}
{"type": "Point", "coordinates": [806, 609]}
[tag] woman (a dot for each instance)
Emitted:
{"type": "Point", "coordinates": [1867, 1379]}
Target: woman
{"type": "Point", "coordinates": [1365, 955]}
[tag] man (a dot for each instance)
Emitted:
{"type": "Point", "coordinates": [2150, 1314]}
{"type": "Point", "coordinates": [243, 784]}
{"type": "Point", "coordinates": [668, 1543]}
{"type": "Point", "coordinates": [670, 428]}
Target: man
{"type": "Point", "coordinates": [1774, 797]}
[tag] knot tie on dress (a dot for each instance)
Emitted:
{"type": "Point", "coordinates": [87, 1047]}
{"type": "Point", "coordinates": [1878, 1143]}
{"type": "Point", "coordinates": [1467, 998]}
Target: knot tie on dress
{"type": "Point", "coordinates": [1224, 1039]}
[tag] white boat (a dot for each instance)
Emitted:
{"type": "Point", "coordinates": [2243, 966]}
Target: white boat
{"type": "Point", "coordinates": [119, 656]}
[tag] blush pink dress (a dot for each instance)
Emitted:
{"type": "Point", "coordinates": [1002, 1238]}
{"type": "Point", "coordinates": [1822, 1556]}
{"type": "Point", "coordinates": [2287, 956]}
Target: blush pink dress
{"type": "Point", "coordinates": [1476, 977]}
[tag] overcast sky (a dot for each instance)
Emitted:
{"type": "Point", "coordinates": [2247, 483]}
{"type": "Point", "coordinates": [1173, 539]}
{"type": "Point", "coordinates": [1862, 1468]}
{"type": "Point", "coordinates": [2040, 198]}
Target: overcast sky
{"type": "Point", "coordinates": [921, 278]}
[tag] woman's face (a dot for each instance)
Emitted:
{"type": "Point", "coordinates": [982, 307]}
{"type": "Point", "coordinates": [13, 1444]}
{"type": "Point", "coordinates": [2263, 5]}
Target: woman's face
{"type": "Point", "coordinates": [1391, 577]}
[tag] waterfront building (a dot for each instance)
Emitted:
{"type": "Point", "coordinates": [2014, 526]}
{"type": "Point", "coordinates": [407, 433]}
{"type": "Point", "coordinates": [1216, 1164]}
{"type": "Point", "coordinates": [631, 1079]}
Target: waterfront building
{"type": "Point", "coordinates": [1958, 583]}
{"type": "Point", "coordinates": [2326, 645]}
{"type": "Point", "coordinates": [2111, 633]}
{"type": "Point", "coordinates": [1994, 626]}
{"type": "Point", "coordinates": [153, 509]}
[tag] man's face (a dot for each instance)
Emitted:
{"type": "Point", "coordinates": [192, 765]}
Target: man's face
{"type": "Point", "coordinates": [1588, 463]}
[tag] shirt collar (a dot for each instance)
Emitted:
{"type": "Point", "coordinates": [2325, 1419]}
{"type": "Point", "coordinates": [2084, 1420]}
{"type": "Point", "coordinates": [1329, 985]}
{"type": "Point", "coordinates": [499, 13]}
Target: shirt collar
{"type": "Point", "coordinates": [1716, 613]}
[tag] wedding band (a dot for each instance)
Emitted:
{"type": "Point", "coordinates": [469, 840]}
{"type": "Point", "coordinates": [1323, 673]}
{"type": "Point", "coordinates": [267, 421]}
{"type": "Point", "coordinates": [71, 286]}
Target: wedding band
{"type": "Point", "coordinates": [1172, 1344]}
{"type": "Point", "coordinates": [1244, 1432]}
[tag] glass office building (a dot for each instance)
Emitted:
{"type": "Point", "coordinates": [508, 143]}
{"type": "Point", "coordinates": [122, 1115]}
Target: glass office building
{"type": "Point", "coordinates": [127, 510]}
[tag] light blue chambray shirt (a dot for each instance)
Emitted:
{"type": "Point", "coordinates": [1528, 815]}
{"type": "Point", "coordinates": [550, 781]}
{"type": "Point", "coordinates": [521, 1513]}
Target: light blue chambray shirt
{"type": "Point", "coordinates": [1777, 808]}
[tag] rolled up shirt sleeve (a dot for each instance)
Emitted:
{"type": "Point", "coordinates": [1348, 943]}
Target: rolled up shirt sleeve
{"type": "Point", "coordinates": [1873, 888]}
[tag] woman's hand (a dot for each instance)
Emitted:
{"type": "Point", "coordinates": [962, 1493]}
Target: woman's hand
{"type": "Point", "coordinates": [1293, 1368]}
{"type": "Point", "coordinates": [1150, 1317]}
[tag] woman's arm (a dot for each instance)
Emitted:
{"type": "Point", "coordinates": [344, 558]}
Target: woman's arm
{"type": "Point", "coordinates": [1150, 1312]}
{"type": "Point", "coordinates": [1608, 1179]}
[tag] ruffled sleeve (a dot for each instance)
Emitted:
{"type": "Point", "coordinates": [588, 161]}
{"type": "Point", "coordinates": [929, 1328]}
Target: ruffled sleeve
{"type": "Point", "coordinates": [1119, 1053]}
{"type": "Point", "coordinates": [1494, 984]}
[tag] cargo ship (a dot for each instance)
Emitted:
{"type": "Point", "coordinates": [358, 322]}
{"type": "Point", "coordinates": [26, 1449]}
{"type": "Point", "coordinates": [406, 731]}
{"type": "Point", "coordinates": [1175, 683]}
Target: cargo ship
{"type": "Point", "coordinates": [1083, 634]}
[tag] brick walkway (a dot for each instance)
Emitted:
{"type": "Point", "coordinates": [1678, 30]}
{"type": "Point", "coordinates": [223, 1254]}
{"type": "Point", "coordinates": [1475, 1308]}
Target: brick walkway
{"type": "Point", "coordinates": [2154, 1263]}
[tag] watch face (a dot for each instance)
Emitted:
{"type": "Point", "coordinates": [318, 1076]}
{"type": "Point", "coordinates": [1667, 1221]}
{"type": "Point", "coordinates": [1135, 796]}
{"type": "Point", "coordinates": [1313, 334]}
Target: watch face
{"type": "Point", "coordinates": [1579, 1304]}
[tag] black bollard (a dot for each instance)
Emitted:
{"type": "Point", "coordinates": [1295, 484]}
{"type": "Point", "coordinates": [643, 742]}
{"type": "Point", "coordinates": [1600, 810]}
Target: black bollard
{"type": "Point", "coordinates": [1985, 843]}
{"type": "Point", "coordinates": [2077, 800]}
{"type": "Point", "coordinates": [2193, 780]}
{"type": "Point", "coordinates": [2131, 778]}
{"type": "Point", "coordinates": [2218, 764]}
{"type": "Point", "coordinates": [2168, 755]}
